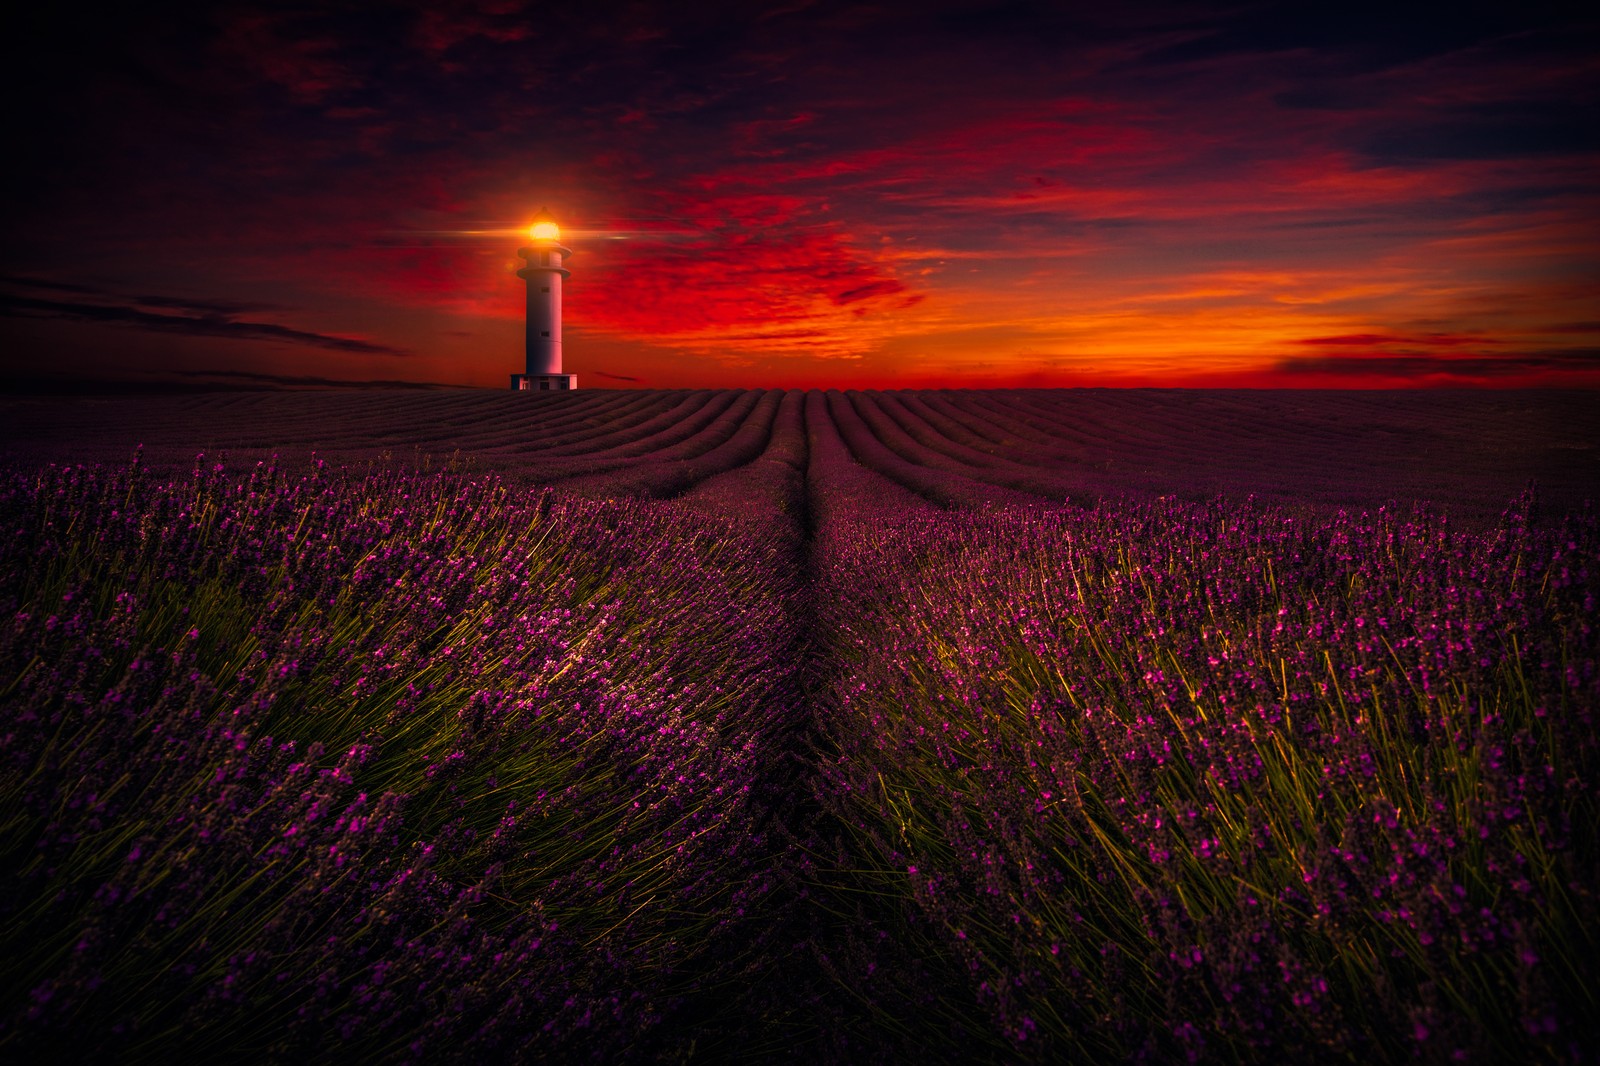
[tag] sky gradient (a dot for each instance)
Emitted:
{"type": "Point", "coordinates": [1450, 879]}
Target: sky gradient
{"type": "Point", "coordinates": [809, 194]}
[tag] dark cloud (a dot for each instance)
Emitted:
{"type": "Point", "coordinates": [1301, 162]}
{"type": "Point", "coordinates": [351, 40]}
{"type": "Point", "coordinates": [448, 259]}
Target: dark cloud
{"type": "Point", "coordinates": [188, 381]}
{"type": "Point", "coordinates": [1421, 366]}
{"type": "Point", "coordinates": [1372, 340]}
{"type": "Point", "coordinates": [1492, 130]}
{"type": "Point", "coordinates": [1357, 36]}
{"type": "Point", "coordinates": [1341, 94]}
{"type": "Point", "coordinates": [310, 381]}
{"type": "Point", "coordinates": [886, 287]}
{"type": "Point", "coordinates": [208, 325]}
{"type": "Point", "coordinates": [17, 281]}
{"type": "Point", "coordinates": [613, 377]}
{"type": "Point", "coordinates": [224, 308]}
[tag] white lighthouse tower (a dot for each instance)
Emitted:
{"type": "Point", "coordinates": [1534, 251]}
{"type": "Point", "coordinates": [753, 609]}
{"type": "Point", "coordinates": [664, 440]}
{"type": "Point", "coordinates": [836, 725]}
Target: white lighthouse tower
{"type": "Point", "coordinates": [544, 274]}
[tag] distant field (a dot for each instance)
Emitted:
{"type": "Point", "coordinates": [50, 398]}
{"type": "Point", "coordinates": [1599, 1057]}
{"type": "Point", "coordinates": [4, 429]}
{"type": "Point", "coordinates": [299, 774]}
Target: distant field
{"type": "Point", "coordinates": [1467, 452]}
{"type": "Point", "coordinates": [707, 726]}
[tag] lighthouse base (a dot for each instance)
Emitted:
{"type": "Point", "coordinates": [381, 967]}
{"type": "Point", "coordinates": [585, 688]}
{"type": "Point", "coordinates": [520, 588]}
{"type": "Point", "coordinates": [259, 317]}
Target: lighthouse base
{"type": "Point", "coordinates": [543, 382]}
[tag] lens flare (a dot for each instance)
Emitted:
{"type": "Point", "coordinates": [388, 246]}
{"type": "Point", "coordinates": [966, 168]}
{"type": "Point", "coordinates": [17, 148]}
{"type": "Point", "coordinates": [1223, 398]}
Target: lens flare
{"type": "Point", "coordinates": [546, 231]}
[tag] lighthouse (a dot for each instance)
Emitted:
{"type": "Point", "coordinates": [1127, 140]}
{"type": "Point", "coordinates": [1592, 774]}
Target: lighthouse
{"type": "Point", "coordinates": [545, 273]}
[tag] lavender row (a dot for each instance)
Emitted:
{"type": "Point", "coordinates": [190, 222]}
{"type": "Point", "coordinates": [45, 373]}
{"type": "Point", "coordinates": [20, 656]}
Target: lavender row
{"type": "Point", "coordinates": [881, 446]}
{"type": "Point", "coordinates": [735, 438]}
{"type": "Point", "coordinates": [1172, 782]}
{"type": "Point", "coordinates": [667, 425]}
{"type": "Point", "coordinates": [728, 430]}
{"type": "Point", "coordinates": [841, 487]}
{"type": "Point", "coordinates": [769, 487]}
{"type": "Point", "coordinates": [396, 765]}
{"type": "Point", "coordinates": [929, 438]}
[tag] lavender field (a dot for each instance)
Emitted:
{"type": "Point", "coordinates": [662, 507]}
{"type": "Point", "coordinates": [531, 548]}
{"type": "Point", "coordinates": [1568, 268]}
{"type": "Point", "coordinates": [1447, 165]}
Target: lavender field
{"type": "Point", "coordinates": [715, 726]}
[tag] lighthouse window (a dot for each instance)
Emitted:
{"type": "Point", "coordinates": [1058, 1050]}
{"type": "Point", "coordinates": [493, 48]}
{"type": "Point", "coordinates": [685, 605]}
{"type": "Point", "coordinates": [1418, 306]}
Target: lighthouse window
{"type": "Point", "coordinates": [544, 333]}
{"type": "Point", "coordinates": [545, 289]}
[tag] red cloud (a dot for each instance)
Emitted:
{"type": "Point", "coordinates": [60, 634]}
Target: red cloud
{"type": "Point", "coordinates": [438, 29]}
{"type": "Point", "coordinates": [767, 272]}
{"type": "Point", "coordinates": [755, 138]}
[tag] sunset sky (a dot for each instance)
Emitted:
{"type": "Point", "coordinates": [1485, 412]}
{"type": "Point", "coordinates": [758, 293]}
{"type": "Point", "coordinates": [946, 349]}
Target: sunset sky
{"type": "Point", "coordinates": [808, 194]}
